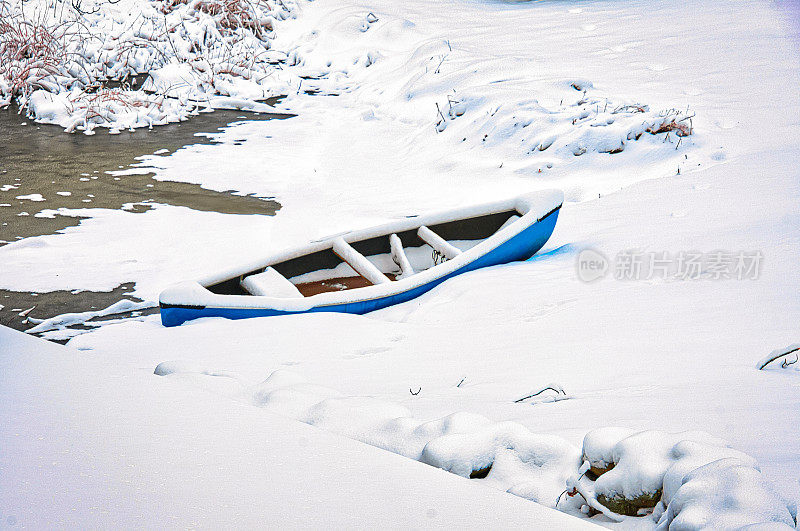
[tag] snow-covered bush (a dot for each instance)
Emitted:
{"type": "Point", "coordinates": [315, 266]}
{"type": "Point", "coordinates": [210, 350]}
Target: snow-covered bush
{"type": "Point", "coordinates": [56, 56]}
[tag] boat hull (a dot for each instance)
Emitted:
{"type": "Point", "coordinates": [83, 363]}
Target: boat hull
{"type": "Point", "coordinates": [520, 247]}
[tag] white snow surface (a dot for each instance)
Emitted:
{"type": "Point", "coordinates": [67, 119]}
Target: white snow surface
{"type": "Point", "coordinates": [726, 494]}
{"type": "Point", "coordinates": [101, 446]}
{"type": "Point", "coordinates": [654, 354]}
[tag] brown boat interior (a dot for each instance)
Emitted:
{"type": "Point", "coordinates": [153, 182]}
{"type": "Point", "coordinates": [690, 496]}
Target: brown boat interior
{"type": "Point", "coordinates": [473, 229]}
{"type": "Point", "coordinates": [335, 284]}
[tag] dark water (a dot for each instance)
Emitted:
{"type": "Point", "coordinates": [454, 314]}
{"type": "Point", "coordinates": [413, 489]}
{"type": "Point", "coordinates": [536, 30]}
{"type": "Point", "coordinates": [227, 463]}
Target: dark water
{"type": "Point", "coordinates": [42, 159]}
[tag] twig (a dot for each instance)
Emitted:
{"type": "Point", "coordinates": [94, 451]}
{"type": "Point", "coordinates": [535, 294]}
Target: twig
{"type": "Point", "coordinates": [552, 387]}
{"type": "Point", "coordinates": [778, 354]}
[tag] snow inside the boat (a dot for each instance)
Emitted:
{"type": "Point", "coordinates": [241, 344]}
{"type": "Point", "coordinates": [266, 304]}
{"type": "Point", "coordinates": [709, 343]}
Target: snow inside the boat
{"type": "Point", "coordinates": [360, 264]}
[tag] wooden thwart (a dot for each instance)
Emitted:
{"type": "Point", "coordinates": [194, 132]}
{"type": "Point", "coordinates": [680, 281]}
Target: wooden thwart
{"type": "Point", "coordinates": [358, 262]}
{"type": "Point", "coordinates": [438, 243]}
{"type": "Point", "coordinates": [399, 256]}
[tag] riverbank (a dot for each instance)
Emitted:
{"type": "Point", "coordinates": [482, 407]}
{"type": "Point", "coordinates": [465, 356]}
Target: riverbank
{"type": "Point", "coordinates": [50, 181]}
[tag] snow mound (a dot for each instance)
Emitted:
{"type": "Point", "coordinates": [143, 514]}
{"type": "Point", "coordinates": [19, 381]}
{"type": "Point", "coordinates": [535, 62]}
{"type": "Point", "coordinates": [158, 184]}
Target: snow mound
{"type": "Point", "coordinates": [534, 466]}
{"type": "Point", "coordinates": [726, 494]}
{"type": "Point", "coordinates": [691, 480]}
{"type": "Point", "coordinates": [355, 416]}
{"type": "Point", "coordinates": [408, 436]}
{"type": "Point", "coordinates": [642, 459]}
{"type": "Point", "coordinates": [508, 455]}
{"type": "Point", "coordinates": [598, 446]}
{"type": "Point", "coordinates": [690, 455]}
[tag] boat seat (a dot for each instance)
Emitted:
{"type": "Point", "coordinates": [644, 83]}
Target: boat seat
{"type": "Point", "coordinates": [270, 283]}
{"type": "Point", "coordinates": [438, 243]}
{"type": "Point", "coordinates": [399, 256]}
{"type": "Point", "coordinates": [359, 262]}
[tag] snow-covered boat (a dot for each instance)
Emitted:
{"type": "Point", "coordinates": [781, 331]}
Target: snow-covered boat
{"type": "Point", "coordinates": [370, 269]}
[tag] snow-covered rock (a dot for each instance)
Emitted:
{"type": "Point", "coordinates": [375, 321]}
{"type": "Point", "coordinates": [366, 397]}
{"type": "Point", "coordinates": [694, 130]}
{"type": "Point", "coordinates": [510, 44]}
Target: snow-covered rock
{"type": "Point", "coordinates": [640, 462]}
{"type": "Point", "coordinates": [727, 494]}
{"type": "Point", "coordinates": [598, 447]}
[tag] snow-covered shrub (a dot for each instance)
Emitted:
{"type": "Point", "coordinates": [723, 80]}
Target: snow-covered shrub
{"type": "Point", "coordinates": [220, 48]}
{"type": "Point", "coordinates": [592, 124]}
{"type": "Point", "coordinates": [34, 52]}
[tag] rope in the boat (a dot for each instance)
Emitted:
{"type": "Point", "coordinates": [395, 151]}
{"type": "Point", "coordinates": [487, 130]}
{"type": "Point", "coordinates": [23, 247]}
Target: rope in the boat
{"type": "Point", "coordinates": [438, 258]}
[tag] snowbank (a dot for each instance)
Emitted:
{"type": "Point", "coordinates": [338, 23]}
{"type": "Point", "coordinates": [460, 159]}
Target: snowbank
{"type": "Point", "coordinates": [645, 469]}
{"type": "Point", "coordinates": [508, 455]}
{"type": "Point", "coordinates": [142, 451]}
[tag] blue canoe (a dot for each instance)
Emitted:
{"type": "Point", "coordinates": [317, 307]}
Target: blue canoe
{"type": "Point", "coordinates": [367, 270]}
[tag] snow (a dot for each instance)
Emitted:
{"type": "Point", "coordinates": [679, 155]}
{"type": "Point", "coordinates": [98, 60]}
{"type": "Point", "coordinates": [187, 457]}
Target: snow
{"type": "Point", "coordinates": [659, 354]}
{"type": "Point", "coordinates": [125, 449]}
{"type": "Point", "coordinates": [599, 444]}
{"type": "Point", "coordinates": [61, 322]}
{"type": "Point", "coordinates": [726, 494]}
{"type": "Point", "coordinates": [359, 262]}
{"type": "Point", "coordinates": [270, 283]}
{"type": "Point", "coordinates": [31, 197]}
{"type": "Point", "coordinates": [641, 460]}
{"type": "Point", "coordinates": [150, 255]}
